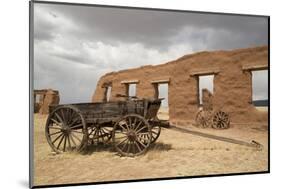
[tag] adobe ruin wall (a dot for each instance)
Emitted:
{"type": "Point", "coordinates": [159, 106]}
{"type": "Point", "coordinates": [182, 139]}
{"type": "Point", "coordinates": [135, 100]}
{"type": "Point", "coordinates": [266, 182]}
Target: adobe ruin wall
{"type": "Point", "coordinates": [232, 83]}
{"type": "Point", "coordinates": [46, 97]}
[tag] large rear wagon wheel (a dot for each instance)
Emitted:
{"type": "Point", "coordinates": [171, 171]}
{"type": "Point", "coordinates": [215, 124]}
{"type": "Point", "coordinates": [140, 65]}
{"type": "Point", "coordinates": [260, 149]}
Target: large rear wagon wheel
{"type": "Point", "coordinates": [131, 135]}
{"type": "Point", "coordinates": [66, 129]}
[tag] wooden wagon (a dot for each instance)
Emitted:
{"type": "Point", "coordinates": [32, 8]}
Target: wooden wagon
{"type": "Point", "coordinates": [130, 125]}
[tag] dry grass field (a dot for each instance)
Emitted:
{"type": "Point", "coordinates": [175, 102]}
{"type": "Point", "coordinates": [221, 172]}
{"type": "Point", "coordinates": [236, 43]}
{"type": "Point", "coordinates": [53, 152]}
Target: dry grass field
{"type": "Point", "coordinates": [174, 154]}
{"type": "Point", "coordinates": [262, 108]}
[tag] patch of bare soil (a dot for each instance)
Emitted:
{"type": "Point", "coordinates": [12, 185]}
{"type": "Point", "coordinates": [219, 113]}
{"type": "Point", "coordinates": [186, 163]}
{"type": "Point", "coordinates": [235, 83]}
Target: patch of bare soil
{"type": "Point", "coordinates": [174, 154]}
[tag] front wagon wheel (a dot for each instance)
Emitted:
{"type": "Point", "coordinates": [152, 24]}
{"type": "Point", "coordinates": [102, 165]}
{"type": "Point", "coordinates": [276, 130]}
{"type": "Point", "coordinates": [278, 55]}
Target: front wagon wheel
{"type": "Point", "coordinates": [66, 129]}
{"type": "Point", "coordinates": [131, 135]}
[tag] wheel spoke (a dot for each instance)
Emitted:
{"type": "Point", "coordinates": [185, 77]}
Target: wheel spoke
{"type": "Point", "coordinates": [129, 147]}
{"type": "Point", "coordinates": [68, 118]}
{"type": "Point", "coordinates": [77, 131]}
{"type": "Point", "coordinates": [60, 142]}
{"type": "Point", "coordinates": [127, 126]}
{"type": "Point", "coordinates": [123, 127]}
{"type": "Point", "coordinates": [64, 143]}
{"type": "Point", "coordinates": [154, 132]}
{"type": "Point", "coordinates": [69, 145]}
{"type": "Point", "coordinates": [76, 137]}
{"type": "Point", "coordinates": [71, 114]}
{"type": "Point", "coordinates": [143, 137]}
{"type": "Point", "coordinates": [223, 124]}
{"type": "Point", "coordinates": [134, 148]}
{"type": "Point", "coordinates": [76, 126]}
{"type": "Point", "coordinates": [91, 131]}
{"type": "Point", "coordinates": [145, 133]}
{"type": "Point", "coordinates": [72, 140]}
{"type": "Point", "coordinates": [102, 137]}
{"type": "Point", "coordinates": [121, 137]}
{"type": "Point", "coordinates": [62, 114]}
{"type": "Point", "coordinates": [54, 127]}
{"type": "Point", "coordinates": [135, 121]}
{"type": "Point", "coordinates": [122, 142]}
{"type": "Point", "coordinates": [55, 121]}
{"type": "Point", "coordinates": [130, 121]}
{"type": "Point", "coordinates": [95, 133]}
{"type": "Point", "coordinates": [76, 118]}
{"type": "Point", "coordinates": [124, 147]}
{"type": "Point", "coordinates": [138, 125]}
{"type": "Point", "coordinates": [109, 131]}
{"type": "Point", "coordinates": [57, 138]}
{"type": "Point", "coordinates": [141, 143]}
{"type": "Point", "coordinates": [60, 119]}
{"type": "Point", "coordinates": [138, 145]}
{"type": "Point", "coordinates": [51, 134]}
{"type": "Point", "coordinates": [140, 129]}
{"type": "Point", "coordinates": [118, 131]}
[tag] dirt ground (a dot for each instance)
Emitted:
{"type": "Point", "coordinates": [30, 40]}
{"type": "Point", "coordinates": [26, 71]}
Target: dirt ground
{"type": "Point", "coordinates": [174, 154]}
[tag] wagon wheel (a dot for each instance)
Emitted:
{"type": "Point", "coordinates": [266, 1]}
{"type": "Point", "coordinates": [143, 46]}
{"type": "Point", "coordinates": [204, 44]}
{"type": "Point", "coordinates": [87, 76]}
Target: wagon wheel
{"type": "Point", "coordinates": [204, 118]}
{"type": "Point", "coordinates": [155, 133]}
{"type": "Point", "coordinates": [221, 120]}
{"type": "Point", "coordinates": [155, 130]}
{"type": "Point", "coordinates": [66, 129]}
{"type": "Point", "coordinates": [131, 135]}
{"type": "Point", "coordinates": [99, 134]}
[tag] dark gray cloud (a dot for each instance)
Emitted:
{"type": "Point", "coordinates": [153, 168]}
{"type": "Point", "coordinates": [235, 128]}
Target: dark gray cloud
{"type": "Point", "coordinates": [157, 28]}
{"type": "Point", "coordinates": [75, 45]}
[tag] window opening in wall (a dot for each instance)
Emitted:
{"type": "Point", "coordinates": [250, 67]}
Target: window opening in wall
{"type": "Point", "coordinates": [37, 98]}
{"type": "Point", "coordinates": [205, 82]}
{"type": "Point", "coordinates": [162, 91]}
{"type": "Point", "coordinates": [132, 90]}
{"type": "Point", "coordinates": [260, 89]}
{"type": "Point", "coordinates": [108, 93]}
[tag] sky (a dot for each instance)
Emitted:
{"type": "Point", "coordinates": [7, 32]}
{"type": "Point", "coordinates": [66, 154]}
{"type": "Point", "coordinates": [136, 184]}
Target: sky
{"type": "Point", "coordinates": [260, 85]}
{"type": "Point", "coordinates": [75, 45]}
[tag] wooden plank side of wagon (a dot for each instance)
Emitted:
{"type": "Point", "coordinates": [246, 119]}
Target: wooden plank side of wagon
{"type": "Point", "coordinates": [103, 112]}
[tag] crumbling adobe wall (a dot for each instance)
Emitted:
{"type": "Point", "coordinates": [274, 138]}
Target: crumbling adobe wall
{"type": "Point", "coordinates": [232, 83]}
{"type": "Point", "coordinates": [47, 97]}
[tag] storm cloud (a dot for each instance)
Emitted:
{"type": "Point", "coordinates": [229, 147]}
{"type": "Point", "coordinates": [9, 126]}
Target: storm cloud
{"type": "Point", "coordinates": [75, 45]}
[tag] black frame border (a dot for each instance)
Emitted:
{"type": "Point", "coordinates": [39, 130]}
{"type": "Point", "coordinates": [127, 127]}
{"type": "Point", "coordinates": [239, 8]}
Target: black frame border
{"type": "Point", "coordinates": [31, 72]}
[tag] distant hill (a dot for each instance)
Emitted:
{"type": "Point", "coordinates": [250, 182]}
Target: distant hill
{"type": "Point", "coordinates": [260, 102]}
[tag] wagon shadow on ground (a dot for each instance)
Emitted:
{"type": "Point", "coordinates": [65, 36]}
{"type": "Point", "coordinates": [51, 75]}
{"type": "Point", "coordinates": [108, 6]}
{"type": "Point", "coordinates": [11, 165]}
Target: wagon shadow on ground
{"type": "Point", "coordinates": [90, 149]}
{"type": "Point", "coordinates": [158, 146]}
